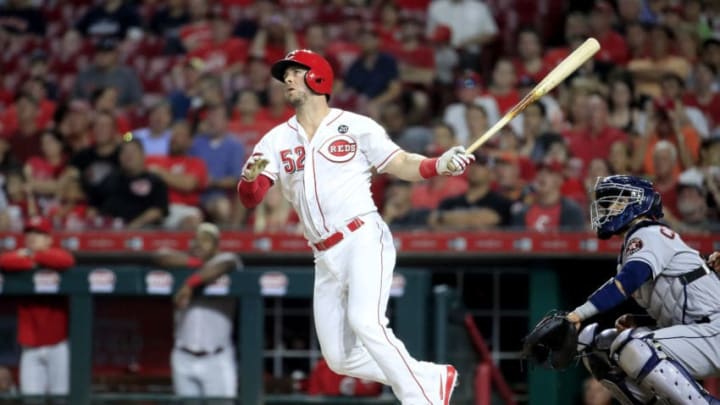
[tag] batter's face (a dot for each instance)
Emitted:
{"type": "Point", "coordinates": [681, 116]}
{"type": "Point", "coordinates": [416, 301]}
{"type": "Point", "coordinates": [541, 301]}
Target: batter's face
{"type": "Point", "coordinates": [296, 91]}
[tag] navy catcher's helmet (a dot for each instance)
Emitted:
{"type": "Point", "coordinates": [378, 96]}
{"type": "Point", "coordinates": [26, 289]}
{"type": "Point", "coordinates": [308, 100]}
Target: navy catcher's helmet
{"type": "Point", "coordinates": [619, 200]}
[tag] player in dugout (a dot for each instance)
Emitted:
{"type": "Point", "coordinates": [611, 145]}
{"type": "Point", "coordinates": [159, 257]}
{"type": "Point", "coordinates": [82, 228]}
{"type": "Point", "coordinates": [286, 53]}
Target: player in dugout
{"type": "Point", "coordinates": [323, 158]}
{"type": "Point", "coordinates": [42, 329]}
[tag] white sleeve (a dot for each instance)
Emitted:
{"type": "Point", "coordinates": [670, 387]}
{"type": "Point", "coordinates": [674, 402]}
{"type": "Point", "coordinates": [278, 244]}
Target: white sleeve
{"type": "Point", "coordinates": [266, 150]}
{"type": "Point", "coordinates": [651, 245]}
{"type": "Point", "coordinates": [377, 146]}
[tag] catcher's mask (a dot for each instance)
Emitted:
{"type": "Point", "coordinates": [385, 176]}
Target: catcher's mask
{"type": "Point", "coordinates": [619, 200]}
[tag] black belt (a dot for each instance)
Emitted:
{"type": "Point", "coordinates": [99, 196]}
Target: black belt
{"type": "Point", "coordinates": [201, 353]}
{"type": "Point", "coordinates": [688, 278]}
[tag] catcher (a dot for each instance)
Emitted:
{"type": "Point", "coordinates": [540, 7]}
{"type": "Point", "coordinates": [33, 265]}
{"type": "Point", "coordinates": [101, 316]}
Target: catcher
{"type": "Point", "coordinates": [671, 281]}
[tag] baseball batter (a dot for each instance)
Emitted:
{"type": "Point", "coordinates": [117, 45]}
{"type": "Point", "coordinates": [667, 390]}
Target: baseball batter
{"type": "Point", "coordinates": [672, 282]}
{"type": "Point", "coordinates": [322, 158]}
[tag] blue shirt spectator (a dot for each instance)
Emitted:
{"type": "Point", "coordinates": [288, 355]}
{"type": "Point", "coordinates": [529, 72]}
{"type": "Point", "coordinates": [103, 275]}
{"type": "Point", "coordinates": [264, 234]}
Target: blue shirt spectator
{"type": "Point", "coordinates": [374, 73]}
{"type": "Point", "coordinates": [224, 156]}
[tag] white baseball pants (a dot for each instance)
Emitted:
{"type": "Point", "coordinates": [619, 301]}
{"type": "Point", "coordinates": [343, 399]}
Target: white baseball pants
{"type": "Point", "coordinates": [352, 288]}
{"type": "Point", "coordinates": [45, 370]}
{"type": "Point", "coordinates": [213, 375]}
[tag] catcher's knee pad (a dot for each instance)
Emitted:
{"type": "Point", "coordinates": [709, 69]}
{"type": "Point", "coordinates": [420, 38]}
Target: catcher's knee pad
{"type": "Point", "coordinates": [636, 354]}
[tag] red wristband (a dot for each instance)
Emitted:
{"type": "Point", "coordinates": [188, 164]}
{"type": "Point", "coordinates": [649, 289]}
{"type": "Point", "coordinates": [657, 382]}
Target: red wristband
{"type": "Point", "coordinates": [428, 168]}
{"type": "Point", "coordinates": [194, 281]}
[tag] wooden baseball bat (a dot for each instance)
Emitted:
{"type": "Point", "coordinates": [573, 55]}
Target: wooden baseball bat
{"type": "Point", "coordinates": [568, 65]}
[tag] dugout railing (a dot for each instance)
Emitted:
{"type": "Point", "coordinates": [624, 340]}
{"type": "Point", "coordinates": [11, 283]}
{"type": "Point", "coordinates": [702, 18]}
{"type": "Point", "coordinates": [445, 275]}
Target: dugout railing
{"type": "Point", "coordinates": [83, 284]}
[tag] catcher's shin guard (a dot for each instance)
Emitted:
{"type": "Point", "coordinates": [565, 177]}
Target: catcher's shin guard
{"type": "Point", "coordinates": [652, 370]}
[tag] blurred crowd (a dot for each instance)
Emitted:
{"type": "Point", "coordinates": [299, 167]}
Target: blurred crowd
{"type": "Point", "coordinates": [121, 114]}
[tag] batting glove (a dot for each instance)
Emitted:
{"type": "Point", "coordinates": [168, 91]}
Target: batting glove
{"type": "Point", "coordinates": [454, 161]}
{"type": "Point", "coordinates": [254, 166]}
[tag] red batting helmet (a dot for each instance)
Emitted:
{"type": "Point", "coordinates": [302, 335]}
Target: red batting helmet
{"type": "Point", "coordinates": [319, 77]}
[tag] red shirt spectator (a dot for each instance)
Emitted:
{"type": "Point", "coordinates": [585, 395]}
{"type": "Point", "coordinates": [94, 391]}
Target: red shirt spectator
{"type": "Point", "coordinates": [185, 166]}
{"type": "Point", "coordinates": [219, 56]}
{"type": "Point", "coordinates": [429, 193]}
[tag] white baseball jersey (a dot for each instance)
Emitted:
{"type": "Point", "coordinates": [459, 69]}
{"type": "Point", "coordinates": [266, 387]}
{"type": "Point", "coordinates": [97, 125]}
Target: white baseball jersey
{"type": "Point", "coordinates": [206, 324]}
{"type": "Point", "coordinates": [327, 179]}
{"type": "Point", "coordinates": [668, 297]}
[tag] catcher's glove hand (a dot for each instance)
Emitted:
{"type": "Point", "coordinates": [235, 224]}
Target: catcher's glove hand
{"type": "Point", "coordinates": [553, 340]}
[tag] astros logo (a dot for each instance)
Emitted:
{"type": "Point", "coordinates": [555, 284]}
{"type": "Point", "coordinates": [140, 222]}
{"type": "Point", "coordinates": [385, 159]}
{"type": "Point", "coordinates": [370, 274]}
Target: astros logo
{"type": "Point", "coordinates": [339, 149]}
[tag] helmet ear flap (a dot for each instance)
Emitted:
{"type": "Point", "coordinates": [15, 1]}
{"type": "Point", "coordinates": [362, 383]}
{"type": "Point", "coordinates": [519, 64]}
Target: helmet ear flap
{"type": "Point", "coordinates": [313, 81]}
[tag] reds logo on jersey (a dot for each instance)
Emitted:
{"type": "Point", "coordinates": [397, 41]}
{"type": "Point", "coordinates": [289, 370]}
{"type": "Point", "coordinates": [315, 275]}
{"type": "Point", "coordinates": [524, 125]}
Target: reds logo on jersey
{"type": "Point", "coordinates": [339, 149]}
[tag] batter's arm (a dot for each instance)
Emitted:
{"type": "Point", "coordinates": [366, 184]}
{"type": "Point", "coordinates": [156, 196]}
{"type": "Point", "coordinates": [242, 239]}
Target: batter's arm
{"type": "Point", "coordinates": [414, 167]}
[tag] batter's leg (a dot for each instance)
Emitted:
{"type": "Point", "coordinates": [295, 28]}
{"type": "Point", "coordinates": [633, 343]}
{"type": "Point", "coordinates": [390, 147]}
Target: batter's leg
{"type": "Point", "coordinates": [369, 282]}
{"type": "Point", "coordinates": [33, 375]}
{"type": "Point", "coordinates": [340, 347]}
{"type": "Point", "coordinates": [58, 361]}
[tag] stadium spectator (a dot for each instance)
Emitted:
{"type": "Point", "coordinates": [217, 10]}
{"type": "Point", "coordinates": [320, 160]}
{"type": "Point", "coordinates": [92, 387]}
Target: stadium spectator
{"type": "Point", "coordinates": [248, 23]}
{"type": "Point", "coordinates": [246, 122]}
{"type": "Point", "coordinates": [167, 22]}
{"type": "Point", "coordinates": [479, 208]}
{"type": "Point", "coordinates": [274, 38]}
{"type": "Point", "coordinates": [593, 141]}
{"type": "Point", "coordinates": [274, 214]}
{"type": "Point", "coordinates": [415, 57]}
{"type": "Point", "coordinates": [508, 181]}
{"type": "Point", "coordinates": [74, 123]}
{"type": "Point", "coordinates": [649, 67]}
{"type": "Point", "coordinates": [222, 53]}
{"type": "Point", "coordinates": [196, 32]}
{"type": "Point", "coordinates": [468, 90]}
{"type": "Point", "coordinates": [704, 94]}
{"type": "Point", "coordinates": [39, 70]}
{"type": "Point", "coordinates": [106, 71]}
{"type": "Point", "coordinates": [665, 122]}
{"type": "Point", "coordinates": [71, 211]}
{"type": "Point", "coordinates": [692, 207]}
{"type": "Point", "coordinates": [24, 138]}
{"type": "Point", "coordinates": [529, 63]}
{"type": "Point", "coordinates": [7, 383]}
{"type": "Point", "coordinates": [620, 159]}
{"type": "Point", "coordinates": [388, 24]}
{"type": "Point", "coordinates": [374, 75]}
{"type": "Point", "coordinates": [549, 210]}
{"type": "Point", "coordinates": [105, 100]}
{"type": "Point", "coordinates": [629, 12]}
{"type": "Point", "coordinates": [478, 122]}
{"type": "Point", "coordinates": [133, 194]}
{"type": "Point", "coordinates": [203, 355]}
{"type": "Point", "coordinates": [413, 138]}
{"type": "Point", "coordinates": [156, 136]}
{"type": "Point", "coordinates": [42, 321]}
{"type": "Point", "coordinates": [20, 201]}
{"type": "Point", "coordinates": [323, 381]}
{"type": "Point", "coordinates": [613, 49]}
{"type": "Point", "coordinates": [277, 109]}
{"type": "Point", "coordinates": [399, 209]}
{"type": "Point", "coordinates": [186, 177]}
{"type": "Point", "coordinates": [117, 19]}
{"type": "Point", "coordinates": [20, 17]}
{"type": "Point", "coordinates": [208, 94]}
{"type": "Point", "coordinates": [625, 113]}
{"type": "Point", "coordinates": [534, 125]}
{"type": "Point", "coordinates": [665, 157]}
{"type": "Point", "coordinates": [598, 168]}
{"type": "Point", "coordinates": [447, 61]}
{"type": "Point", "coordinates": [223, 154]}
{"type": "Point", "coordinates": [672, 89]}
{"type": "Point", "coordinates": [471, 23]}
{"type": "Point", "coordinates": [502, 87]}
{"type": "Point", "coordinates": [43, 171]}
{"type": "Point", "coordinates": [94, 163]}
{"type": "Point", "coordinates": [8, 161]}
{"type": "Point", "coordinates": [636, 38]}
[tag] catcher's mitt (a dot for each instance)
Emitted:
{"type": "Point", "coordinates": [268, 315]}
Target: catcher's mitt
{"type": "Point", "coordinates": [553, 340]}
